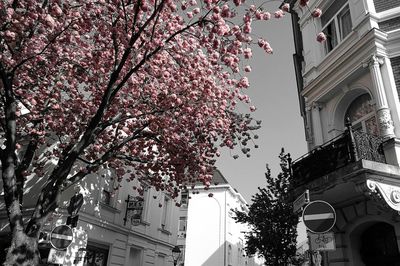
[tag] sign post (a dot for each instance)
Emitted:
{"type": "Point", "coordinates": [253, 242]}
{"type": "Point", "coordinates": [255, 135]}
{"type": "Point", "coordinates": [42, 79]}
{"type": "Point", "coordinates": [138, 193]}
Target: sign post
{"type": "Point", "coordinates": [301, 200]}
{"type": "Point", "coordinates": [61, 237]}
{"type": "Point", "coordinates": [322, 242]}
{"type": "Point", "coordinates": [75, 254]}
{"type": "Point", "coordinates": [319, 216]}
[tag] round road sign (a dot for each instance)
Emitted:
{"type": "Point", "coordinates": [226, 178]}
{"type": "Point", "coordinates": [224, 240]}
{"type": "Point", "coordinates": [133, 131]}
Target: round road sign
{"type": "Point", "coordinates": [61, 237]}
{"type": "Point", "coordinates": [319, 216]}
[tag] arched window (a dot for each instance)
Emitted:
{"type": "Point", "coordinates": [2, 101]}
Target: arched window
{"type": "Point", "coordinates": [362, 115]}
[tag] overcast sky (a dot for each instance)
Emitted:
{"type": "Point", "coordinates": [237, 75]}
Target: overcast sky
{"type": "Point", "coordinates": [273, 91]}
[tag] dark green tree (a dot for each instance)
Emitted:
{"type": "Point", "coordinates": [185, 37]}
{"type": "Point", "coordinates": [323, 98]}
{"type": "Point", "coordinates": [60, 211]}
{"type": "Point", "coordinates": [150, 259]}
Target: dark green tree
{"type": "Point", "coordinates": [271, 219]}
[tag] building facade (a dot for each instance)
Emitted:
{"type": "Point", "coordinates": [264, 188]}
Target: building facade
{"type": "Point", "coordinates": [348, 90]}
{"type": "Point", "coordinates": [208, 234]}
{"type": "Point", "coordinates": [142, 235]}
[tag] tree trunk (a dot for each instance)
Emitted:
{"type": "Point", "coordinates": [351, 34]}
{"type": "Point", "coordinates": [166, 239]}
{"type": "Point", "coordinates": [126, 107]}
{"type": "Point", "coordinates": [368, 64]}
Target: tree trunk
{"type": "Point", "coordinates": [23, 251]}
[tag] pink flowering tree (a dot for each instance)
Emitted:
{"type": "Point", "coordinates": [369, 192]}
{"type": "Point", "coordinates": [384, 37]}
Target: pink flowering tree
{"type": "Point", "coordinates": [149, 85]}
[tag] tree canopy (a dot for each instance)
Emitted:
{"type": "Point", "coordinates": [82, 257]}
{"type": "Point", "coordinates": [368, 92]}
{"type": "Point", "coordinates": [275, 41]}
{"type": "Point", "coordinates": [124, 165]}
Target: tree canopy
{"type": "Point", "coordinates": [273, 225]}
{"type": "Point", "coordinates": [149, 85]}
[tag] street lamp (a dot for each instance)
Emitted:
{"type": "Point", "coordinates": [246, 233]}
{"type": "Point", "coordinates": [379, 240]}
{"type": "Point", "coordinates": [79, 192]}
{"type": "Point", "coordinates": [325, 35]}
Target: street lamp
{"type": "Point", "coordinates": [176, 253]}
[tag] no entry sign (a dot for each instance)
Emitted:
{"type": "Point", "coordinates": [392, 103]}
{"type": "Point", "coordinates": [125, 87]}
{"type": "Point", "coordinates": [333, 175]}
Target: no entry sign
{"type": "Point", "coordinates": [319, 216]}
{"type": "Point", "coordinates": [61, 237]}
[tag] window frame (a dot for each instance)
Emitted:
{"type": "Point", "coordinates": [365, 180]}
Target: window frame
{"type": "Point", "coordinates": [165, 213]}
{"type": "Point", "coordinates": [337, 22]}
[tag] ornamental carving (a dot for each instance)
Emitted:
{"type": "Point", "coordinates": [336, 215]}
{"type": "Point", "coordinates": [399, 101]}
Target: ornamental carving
{"type": "Point", "coordinates": [385, 122]}
{"type": "Point", "coordinates": [390, 193]}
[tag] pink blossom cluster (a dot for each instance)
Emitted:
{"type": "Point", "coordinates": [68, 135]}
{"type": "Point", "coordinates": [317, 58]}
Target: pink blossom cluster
{"type": "Point", "coordinates": [147, 88]}
{"type": "Point", "coordinates": [165, 84]}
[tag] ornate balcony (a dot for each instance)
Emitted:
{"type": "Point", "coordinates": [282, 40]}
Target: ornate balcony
{"type": "Point", "coordinates": [346, 148]}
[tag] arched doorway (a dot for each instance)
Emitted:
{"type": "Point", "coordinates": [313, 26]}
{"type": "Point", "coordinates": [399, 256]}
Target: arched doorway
{"type": "Point", "coordinates": [379, 246]}
{"type": "Point", "coordinates": [362, 115]}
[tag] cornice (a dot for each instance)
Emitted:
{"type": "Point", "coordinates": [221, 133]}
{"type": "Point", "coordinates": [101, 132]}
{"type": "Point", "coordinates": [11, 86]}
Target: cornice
{"type": "Point", "coordinates": [386, 15]}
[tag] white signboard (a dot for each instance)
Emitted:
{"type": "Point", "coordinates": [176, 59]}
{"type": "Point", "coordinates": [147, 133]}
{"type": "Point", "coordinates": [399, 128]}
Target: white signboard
{"type": "Point", "coordinates": [56, 256]}
{"type": "Point", "coordinates": [302, 200]}
{"type": "Point", "coordinates": [325, 241]}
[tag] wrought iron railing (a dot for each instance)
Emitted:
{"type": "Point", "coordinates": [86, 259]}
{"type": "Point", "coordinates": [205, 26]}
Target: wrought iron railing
{"type": "Point", "coordinates": [346, 148]}
{"type": "Point", "coordinates": [369, 147]}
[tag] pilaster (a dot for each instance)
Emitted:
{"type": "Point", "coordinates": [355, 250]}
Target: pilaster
{"type": "Point", "coordinates": [382, 109]}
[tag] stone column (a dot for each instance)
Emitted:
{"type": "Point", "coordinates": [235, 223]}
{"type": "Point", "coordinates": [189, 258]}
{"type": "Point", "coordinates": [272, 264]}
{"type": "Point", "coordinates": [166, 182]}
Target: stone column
{"type": "Point", "coordinates": [316, 123]}
{"type": "Point", "coordinates": [384, 117]}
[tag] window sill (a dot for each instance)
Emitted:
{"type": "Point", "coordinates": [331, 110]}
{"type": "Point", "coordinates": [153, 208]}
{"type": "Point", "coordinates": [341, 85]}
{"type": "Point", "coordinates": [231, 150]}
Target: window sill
{"type": "Point", "coordinates": [133, 225]}
{"type": "Point", "coordinates": [164, 231]}
{"type": "Point", "coordinates": [109, 208]}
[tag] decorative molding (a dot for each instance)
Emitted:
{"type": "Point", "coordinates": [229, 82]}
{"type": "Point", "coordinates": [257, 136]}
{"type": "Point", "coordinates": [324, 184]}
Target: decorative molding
{"type": "Point", "coordinates": [385, 122]}
{"type": "Point", "coordinates": [374, 60]}
{"type": "Point", "coordinates": [389, 193]}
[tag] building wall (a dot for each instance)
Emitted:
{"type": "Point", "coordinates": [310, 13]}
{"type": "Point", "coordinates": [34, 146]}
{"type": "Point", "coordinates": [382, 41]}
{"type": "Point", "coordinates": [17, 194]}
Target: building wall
{"type": "Point", "coordinates": [345, 69]}
{"type": "Point", "coordinates": [213, 237]}
{"type": "Point", "coordinates": [383, 5]}
{"type": "Point", "coordinates": [365, 61]}
{"type": "Point", "coordinates": [103, 220]}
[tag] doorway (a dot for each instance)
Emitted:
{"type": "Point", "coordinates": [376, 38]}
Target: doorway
{"type": "Point", "coordinates": [379, 246]}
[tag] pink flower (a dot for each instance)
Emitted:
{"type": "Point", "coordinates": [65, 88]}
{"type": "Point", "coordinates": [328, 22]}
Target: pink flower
{"type": "Point", "coordinates": [303, 2]}
{"type": "Point", "coordinates": [247, 69]}
{"type": "Point", "coordinates": [10, 34]}
{"type": "Point", "coordinates": [57, 10]}
{"type": "Point", "coordinates": [259, 15]}
{"type": "Point", "coordinates": [285, 7]}
{"type": "Point", "coordinates": [266, 15]}
{"type": "Point", "coordinates": [244, 83]}
{"type": "Point", "coordinates": [247, 28]}
{"type": "Point", "coordinates": [316, 13]}
{"type": "Point", "coordinates": [247, 53]}
{"type": "Point", "coordinates": [253, 108]}
{"type": "Point", "coordinates": [49, 21]}
{"type": "Point", "coordinates": [237, 2]}
{"type": "Point", "coordinates": [279, 14]}
{"type": "Point", "coordinates": [321, 37]}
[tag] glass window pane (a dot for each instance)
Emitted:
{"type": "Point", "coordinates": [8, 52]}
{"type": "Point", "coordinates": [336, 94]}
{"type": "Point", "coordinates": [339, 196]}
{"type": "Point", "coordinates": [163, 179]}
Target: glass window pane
{"type": "Point", "coordinates": [331, 11]}
{"type": "Point", "coordinates": [106, 197]}
{"type": "Point", "coordinates": [345, 22]}
{"type": "Point", "coordinates": [331, 37]}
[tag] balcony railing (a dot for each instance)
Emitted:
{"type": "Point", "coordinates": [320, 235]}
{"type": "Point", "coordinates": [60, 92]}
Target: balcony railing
{"type": "Point", "coordinates": [348, 147]}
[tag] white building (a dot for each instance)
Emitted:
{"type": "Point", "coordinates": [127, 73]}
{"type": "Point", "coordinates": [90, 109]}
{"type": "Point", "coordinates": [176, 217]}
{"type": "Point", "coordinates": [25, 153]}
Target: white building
{"type": "Point", "coordinates": [354, 166]}
{"type": "Point", "coordinates": [145, 240]}
{"type": "Point", "coordinates": [208, 234]}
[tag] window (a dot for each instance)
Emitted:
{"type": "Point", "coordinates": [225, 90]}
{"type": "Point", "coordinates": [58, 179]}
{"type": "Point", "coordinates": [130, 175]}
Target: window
{"type": "Point", "coordinates": [95, 256]}
{"type": "Point", "coordinates": [135, 256]}
{"type": "Point", "coordinates": [164, 217]}
{"type": "Point", "coordinates": [182, 223]}
{"type": "Point", "coordinates": [336, 24]}
{"type": "Point", "coordinates": [110, 189]}
{"type": "Point", "coordinates": [160, 260]}
{"type": "Point", "coordinates": [184, 198]}
{"type": "Point", "coordinates": [135, 209]}
{"type": "Point", "coordinates": [362, 115]}
{"type": "Point", "coordinates": [106, 197]}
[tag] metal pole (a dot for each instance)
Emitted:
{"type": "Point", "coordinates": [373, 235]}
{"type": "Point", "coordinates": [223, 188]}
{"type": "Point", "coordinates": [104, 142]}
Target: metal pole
{"type": "Point", "coordinates": [310, 250]}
